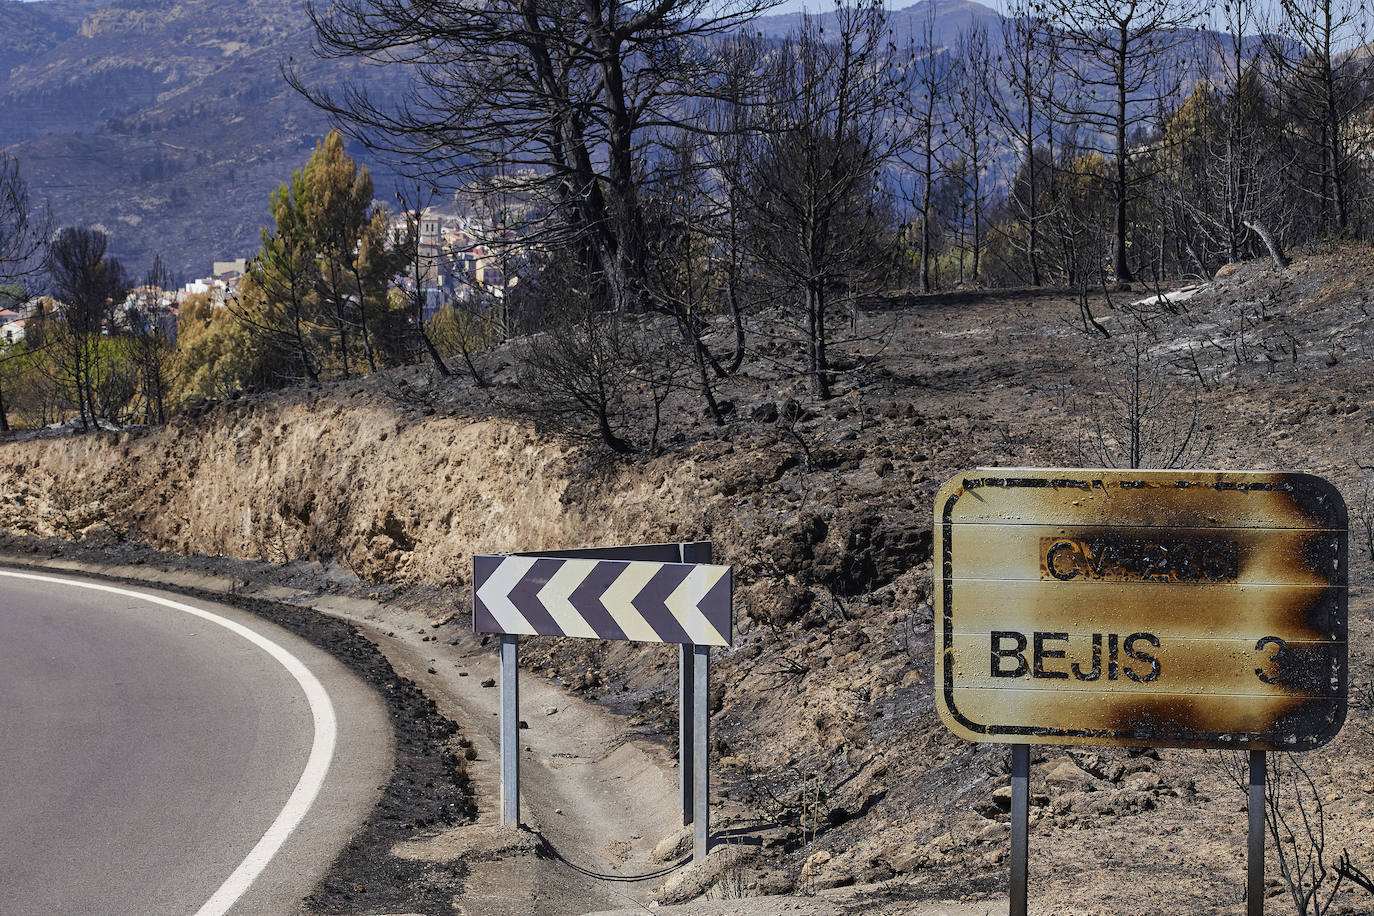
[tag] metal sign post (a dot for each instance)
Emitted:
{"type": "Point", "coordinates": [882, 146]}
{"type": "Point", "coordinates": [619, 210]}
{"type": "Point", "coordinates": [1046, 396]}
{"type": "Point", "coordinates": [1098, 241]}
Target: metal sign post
{"type": "Point", "coordinates": [510, 732]}
{"type": "Point", "coordinates": [1020, 826]}
{"type": "Point", "coordinates": [701, 752]}
{"type": "Point", "coordinates": [652, 593]}
{"type": "Point", "coordinates": [686, 725]}
{"type": "Point", "coordinates": [1171, 608]}
{"type": "Point", "coordinates": [1254, 884]}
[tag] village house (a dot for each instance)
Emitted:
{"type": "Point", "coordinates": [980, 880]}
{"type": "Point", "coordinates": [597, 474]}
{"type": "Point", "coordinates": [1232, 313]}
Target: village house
{"type": "Point", "coordinates": [12, 325]}
{"type": "Point", "coordinates": [149, 307]}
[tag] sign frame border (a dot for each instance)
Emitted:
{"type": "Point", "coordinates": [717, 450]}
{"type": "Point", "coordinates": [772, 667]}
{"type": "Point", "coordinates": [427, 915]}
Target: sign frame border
{"type": "Point", "coordinates": [1080, 479]}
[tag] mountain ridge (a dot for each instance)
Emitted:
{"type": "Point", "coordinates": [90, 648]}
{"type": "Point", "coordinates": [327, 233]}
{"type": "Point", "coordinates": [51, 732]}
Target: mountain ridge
{"type": "Point", "coordinates": [167, 122]}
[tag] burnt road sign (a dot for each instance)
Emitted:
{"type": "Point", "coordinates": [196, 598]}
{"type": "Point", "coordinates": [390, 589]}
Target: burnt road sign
{"type": "Point", "coordinates": [1184, 608]}
{"type": "Point", "coordinates": [522, 595]}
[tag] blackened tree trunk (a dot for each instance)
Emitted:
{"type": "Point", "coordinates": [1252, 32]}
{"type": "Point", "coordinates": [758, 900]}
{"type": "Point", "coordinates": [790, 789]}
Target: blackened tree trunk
{"type": "Point", "coordinates": [1121, 267]}
{"type": "Point", "coordinates": [1276, 253]}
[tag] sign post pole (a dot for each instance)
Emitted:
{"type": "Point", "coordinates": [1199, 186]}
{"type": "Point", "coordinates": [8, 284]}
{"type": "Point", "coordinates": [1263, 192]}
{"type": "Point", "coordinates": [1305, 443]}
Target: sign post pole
{"type": "Point", "coordinates": [1020, 826]}
{"type": "Point", "coordinates": [1255, 867]}
{"type": "Point", "coordinates": [700, 749]}
{"type": "Point", "coordinates": [686, 720]}
{"type": "Point", "coordinates": [510, 733]}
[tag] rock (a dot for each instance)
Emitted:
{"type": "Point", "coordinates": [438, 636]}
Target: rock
{"type": "Point", "coordinates": [831, 879]}
{"type": "Point", "coordinates": [1109, 770]}
{"type": "Point", "coordinates": [674, 846]}
{"type": "Point", "coordinates": [990, 809]}
{"type": "Point", "coordinates": [1068, 801]}
{"type": "Point", "coordinates": [765, 413]}
{"type": "Point", "coordinates": [793, 548]}
{"type": "Point", "coordinates": [869, 546]}
{"type": "Point", "coordinates": [550, 710]}
{"type": "Point", "coordinates": [814, 863]}
{"type": "Point", "coordinates": [489, 682]}
{"type": "Point", "coordinates": [943, 843]}
{"type": "Point", "coordinates": [1063, 772]}
{"type": "Point", "coordinates": [994, 833]}
{"type": "Point", "coordinates": [1002, 798]}
{"type": "Point", "coordinates": [905, 858]}
{"type": "Point", "coordinates": [1125, 801]}
{"type": "Point", "coordinates": [875, 872]}
{"type": "Point", "coordinates": [1144, 781]}
{"type": "Point", "coordinates": [772, 882]}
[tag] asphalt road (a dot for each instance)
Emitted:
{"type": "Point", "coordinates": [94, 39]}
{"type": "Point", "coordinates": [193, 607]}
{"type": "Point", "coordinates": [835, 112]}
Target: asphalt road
{"type": "Point", "coordinates": [153, 761]}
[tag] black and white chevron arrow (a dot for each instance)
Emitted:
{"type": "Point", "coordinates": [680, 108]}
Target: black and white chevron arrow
{"type": "Point", "coordinates": [602, 599]}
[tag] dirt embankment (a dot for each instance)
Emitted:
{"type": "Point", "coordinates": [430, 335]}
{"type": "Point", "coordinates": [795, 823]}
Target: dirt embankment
{"type": "Point", "coordinates": [308, 475]}
{"type": "Point", "coordinates": [830, 766]}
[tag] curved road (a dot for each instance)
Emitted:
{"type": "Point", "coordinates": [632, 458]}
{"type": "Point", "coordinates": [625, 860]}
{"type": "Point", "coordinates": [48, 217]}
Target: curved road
{"type": "Point", "coordinates": [160, 754]}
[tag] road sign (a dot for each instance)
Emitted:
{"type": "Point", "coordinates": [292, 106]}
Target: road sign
{"type": "Point", "coordinates": [633, 593]}
{"type": "Point", "coordinates": [686, 603]}
{"type": "Point", "coordinates": [1185, 608]}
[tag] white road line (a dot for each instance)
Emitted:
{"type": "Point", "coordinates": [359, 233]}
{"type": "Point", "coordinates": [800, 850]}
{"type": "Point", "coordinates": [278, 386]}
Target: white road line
{"type": "Point", "coordinates": [321, 750]}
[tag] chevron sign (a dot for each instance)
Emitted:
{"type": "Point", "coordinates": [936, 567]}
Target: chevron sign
{"type": "Point", "coordinates": [602, 599]}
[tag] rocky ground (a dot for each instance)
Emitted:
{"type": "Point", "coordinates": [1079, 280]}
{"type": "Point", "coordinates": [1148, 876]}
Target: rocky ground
{"type": "Point", "coordinates": [831, 770]}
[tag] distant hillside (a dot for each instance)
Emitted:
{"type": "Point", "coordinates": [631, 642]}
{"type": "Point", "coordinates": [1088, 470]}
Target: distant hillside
{"type": "Point", "coordinates": [26, 30]}
{"type": "Point", "coordinates": [951, 18]}
{"type": "Point", "coordinates": [165, 122]}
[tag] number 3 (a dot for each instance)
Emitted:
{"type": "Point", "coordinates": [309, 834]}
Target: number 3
{"type": "Point", "coordinates": [1280, 650]}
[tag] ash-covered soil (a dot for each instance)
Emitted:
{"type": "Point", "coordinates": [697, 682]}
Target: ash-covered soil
{"type": "Point", "coordinates": [830, 767]}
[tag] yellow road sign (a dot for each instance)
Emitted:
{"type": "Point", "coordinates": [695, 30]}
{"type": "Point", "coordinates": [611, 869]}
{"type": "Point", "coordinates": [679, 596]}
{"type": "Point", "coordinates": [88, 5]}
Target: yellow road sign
{"type": "Point", "coordinates": [1185, 608]}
